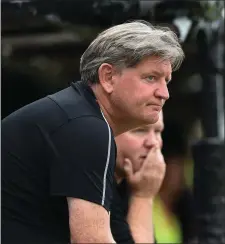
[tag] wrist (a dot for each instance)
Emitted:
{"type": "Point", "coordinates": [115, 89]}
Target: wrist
{"type": "Point", "coordinates": [141, 199]}
{"type": "Point", "coordinates": [144, 195]}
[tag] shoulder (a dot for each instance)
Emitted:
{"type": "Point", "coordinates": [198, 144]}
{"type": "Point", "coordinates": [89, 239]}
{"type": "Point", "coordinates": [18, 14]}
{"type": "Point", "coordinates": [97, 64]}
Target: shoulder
{"type": "Point", "coordinates": [76, 101]}
{"type": "Point", "coordinates": [43, 113]}
{"type": "Point", "coordinates": [89, 131]}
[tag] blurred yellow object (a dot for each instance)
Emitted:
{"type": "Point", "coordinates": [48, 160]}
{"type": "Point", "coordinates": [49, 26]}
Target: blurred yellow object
{"type": "Point", "coordinates": [166, 225]}
{"type": "Point", "coordinates": [189, 172]}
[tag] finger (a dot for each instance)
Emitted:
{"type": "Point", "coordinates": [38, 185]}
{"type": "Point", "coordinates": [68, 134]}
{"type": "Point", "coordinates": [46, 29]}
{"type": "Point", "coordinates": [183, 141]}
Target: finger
{"type": "Point", "coordinates": [150, 157]}
{"type": "Point", "coordinates": [128, 169]}
{"type": "Point", "coordinates": [160, 155]}
{"type": "Point", "coordinates": [153, 160]}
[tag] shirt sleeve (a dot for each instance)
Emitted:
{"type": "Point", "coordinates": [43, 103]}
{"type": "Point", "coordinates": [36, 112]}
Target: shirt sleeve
{"type": "Point", "coordinates": [84, 161]}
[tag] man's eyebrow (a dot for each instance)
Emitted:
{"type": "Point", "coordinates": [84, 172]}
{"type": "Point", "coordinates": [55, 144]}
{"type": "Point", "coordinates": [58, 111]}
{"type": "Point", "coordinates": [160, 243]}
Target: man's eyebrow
{"type": "Point", "coordinates": [157, 72]}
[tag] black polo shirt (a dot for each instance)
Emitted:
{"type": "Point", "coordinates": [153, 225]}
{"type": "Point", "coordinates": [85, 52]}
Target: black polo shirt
{"type": "Point", "coordinates": [57, 147]}
{"type": "Point", "coordinates": [118, 217]}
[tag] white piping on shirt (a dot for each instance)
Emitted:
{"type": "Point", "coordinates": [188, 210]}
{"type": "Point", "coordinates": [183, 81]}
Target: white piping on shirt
{"type": "Point", "coordinates": [107, 161]}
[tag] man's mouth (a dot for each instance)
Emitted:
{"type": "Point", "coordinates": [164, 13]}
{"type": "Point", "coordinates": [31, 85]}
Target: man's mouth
{"type": "Point", "coordinates": [143, 157]}
{"type": "Point", "coordinates": [155, 105]}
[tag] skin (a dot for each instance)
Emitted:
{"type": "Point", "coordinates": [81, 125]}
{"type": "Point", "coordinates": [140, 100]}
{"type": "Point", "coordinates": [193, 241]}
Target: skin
{"type": "Point", "coordinates": [128, 99]}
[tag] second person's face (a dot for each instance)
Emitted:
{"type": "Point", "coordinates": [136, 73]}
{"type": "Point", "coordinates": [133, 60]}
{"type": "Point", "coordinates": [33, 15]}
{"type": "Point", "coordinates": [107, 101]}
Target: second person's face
{"type": "Point", "coordinates": [137, 143]}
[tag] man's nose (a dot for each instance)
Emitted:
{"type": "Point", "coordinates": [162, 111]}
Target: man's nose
{"type": "Point", "coordinates": [162, 92]}
{"type": "Point", "coordinates": [151, 141]}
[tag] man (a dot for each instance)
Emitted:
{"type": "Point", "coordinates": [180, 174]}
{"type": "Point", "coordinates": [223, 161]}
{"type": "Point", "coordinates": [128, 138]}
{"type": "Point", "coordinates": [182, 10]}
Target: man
{"type": "Point", "coordinates": [58, 154]}
{"type": "Point", "coordinates": [142, 147]}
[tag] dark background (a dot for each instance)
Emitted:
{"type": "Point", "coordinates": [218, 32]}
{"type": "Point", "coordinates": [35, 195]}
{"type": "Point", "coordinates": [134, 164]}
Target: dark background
{"type": "Point", "coordinates": [42, 42]}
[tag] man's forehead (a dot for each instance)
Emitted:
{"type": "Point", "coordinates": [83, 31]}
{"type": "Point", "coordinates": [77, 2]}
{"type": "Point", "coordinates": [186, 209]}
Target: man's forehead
{"type": "Point", "coordinates": [157, 65]}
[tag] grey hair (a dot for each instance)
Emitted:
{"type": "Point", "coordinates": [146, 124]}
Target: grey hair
{"type": "Point", "coordinates": [125, 45]}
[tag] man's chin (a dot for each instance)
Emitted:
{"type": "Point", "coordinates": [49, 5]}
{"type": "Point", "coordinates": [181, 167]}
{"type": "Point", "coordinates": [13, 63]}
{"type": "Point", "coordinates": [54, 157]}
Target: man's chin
{"type": "Point", "coordinates": [152, 118]}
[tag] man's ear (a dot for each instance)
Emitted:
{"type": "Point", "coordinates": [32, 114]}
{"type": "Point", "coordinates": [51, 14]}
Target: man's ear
{"type": "Point", "coordinates": [105, 74]}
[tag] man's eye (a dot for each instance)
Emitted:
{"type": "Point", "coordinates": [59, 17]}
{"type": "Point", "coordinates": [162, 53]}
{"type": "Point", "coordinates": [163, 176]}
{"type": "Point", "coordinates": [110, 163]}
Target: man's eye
{"type": "Point", "coordinates": [151, 78]}
{"type": "Point", "coordinates": [140, 131]}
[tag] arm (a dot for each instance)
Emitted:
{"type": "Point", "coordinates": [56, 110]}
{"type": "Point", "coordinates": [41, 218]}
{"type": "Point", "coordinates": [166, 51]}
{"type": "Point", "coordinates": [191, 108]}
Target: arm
{"type": "Point", "coordinates": [88, 222]}
{"type": "Point", "coordinates": [81, 172]}
{"type": "Point", "coordinates": [140, 219]}
{"type": "Point", "coordinates": [144, 185]}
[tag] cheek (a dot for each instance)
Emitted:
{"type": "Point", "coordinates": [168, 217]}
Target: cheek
{"type": "Point", "coordinates": [127, 146]}
{"type": "Point", "coordinates": [129, 87]}
{"type": "Point", "coordinates": [132, 87]}
{"type": "Point", "coordinates": [120, 97]}
{"type": "Point", "coordinates": [160, 142]}
{"type": "Point", "coordinates": [144, 93]}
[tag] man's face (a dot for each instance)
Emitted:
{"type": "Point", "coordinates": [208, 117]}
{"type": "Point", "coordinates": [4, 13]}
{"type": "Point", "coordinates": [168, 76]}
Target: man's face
{"type": "Point", "coordinates": [137, 143]}
{"type": "Point", "coordinates": [140, 92]}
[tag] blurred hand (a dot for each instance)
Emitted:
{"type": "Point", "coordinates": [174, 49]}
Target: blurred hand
{"type": "Point", "coordinates": [147, 181]}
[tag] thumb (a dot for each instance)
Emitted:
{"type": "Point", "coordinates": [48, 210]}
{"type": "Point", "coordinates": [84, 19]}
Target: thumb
{"type": "Point", "coordinates": [128, 167]}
